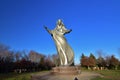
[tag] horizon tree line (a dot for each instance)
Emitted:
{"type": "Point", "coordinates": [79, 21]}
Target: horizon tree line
{"type": "Point", "coordinates": [22, 61]}
{"type": "Point", "coordinates": [107, 62]}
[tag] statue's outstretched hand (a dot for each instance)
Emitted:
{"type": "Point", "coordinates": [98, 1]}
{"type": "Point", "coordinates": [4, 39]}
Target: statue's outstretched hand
{"type": "Point", "coordinates": [49, 31]}
{"type": "Point", "coordinates": [70, 30]}
{"type": "Point", "coordinates": [45, 27]}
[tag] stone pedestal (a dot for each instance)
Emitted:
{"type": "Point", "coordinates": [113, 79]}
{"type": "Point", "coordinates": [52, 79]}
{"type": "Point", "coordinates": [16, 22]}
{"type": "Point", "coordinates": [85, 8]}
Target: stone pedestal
{"type": "Point", "coordinates": [65, 70]}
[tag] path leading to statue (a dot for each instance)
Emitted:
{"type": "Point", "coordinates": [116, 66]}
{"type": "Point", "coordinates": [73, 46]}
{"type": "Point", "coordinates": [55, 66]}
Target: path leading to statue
{"type": "Point", "coordinates": [82, 76]}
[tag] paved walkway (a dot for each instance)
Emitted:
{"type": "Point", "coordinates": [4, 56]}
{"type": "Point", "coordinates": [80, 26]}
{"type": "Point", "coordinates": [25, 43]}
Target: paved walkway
{"type": "Point", "coordinates": [48, 76]}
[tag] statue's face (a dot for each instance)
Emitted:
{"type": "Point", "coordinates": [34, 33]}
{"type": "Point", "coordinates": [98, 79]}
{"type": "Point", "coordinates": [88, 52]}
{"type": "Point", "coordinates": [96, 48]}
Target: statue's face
{"type": "Point", "coordinates": [59, 22]}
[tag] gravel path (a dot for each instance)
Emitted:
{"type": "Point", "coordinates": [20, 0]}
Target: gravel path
{"type": "Point", "coordinates": [48, 76]}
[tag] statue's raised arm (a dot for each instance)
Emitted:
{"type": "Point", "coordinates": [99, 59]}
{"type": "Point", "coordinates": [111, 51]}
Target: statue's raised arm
{"type": "Point", "coordinates": [68, 31]}
{"type": "Point", "coordinates": [49, 31]}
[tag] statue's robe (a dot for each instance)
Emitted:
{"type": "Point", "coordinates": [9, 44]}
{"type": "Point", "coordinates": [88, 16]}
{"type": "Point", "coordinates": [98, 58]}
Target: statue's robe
{"type": "Point", "coordinates": [65, 52]}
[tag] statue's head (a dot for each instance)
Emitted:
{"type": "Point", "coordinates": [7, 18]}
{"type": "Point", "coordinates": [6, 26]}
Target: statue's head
{"type": "Point", "coordinates": [59, 22]}
{"type": "Point", "coordinates": [60, 26]}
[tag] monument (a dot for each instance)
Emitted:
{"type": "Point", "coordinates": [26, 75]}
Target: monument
{"type": "Point", "coordinates": [65, 52]}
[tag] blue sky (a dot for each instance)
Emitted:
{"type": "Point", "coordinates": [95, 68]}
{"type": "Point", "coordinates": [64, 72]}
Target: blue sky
{"type": "Point", "coordinates": [95, 25]}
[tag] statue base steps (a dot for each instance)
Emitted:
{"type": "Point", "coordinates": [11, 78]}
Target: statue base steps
{"type": "Point", "coordinates": [65, 70]}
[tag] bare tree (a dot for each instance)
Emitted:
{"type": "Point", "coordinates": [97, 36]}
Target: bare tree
{"type": "Point", "coordinates": [114, 62]}
{"type": "Point", "coordinates": [18, 56]}
{"type": "Point", "coordinates": [101, 62]}
{"type": "Point", "coordinates": [35, 56]}
{"type": "Point", "coordinates": [55, 59]}
{"type": "Point", "coordinates": [6, 58]}
{"type": "Point", "coordinates": [100, 53]}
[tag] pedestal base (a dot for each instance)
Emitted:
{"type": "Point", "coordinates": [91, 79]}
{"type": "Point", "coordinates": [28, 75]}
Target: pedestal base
{"type": "Point", "coordinates": [65, 70]}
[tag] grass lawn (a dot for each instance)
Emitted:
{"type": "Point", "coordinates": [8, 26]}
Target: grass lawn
{"type": "Point", "coordinates": [109, 75]}
{"type": "Point", "coordinates": [15, 76]}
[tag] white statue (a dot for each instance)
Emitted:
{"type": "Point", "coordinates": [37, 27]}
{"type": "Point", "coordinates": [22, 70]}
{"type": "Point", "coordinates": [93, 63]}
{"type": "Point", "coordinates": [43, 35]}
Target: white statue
{"type": "Point", "coordinates": [65, 52]}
